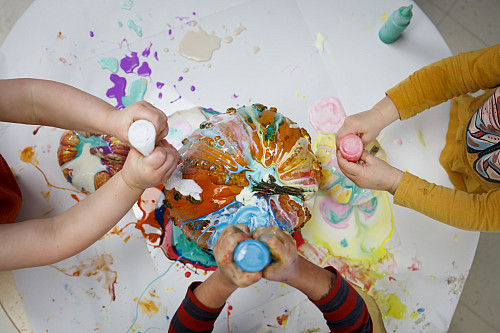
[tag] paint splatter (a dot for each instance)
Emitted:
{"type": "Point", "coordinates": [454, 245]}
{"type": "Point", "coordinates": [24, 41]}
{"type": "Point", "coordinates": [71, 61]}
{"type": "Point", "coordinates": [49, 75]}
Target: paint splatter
{"type": "Point", "coordinates": [420, 136]}
{"type": "Point", "coordinates": [147, 50]}
{"type": "Point", "coordinates": [129, 63]}
{"type": "Point", "coordinates": [320, 43]}
{"type": "Point", "coordinates": [60, 35]}
{"type": "Point", "coordinates": [384, 17]}
{"type": "Point", "coordinates": [148, 307]}
{"type": "Point", "coordinates": [282, 319]}
{"type": "Point", "coordinates": [91, 33]}
{"type": "Point", "coordinates": [109, 63]}
{"type": "Point", "coordinates": [127, 4]}
{"type": "Point", "coordinates": [99, 267]}
{"type": "Point", "coordinates": [137, 28]}
{"type": "Point", "coordinates": [198, 45]}
{"type": "Point", "coordinates": [415, 264]}
{"type": "Point", "coordinates": [28, 156]}
{"type": "Point", "coordinates": [144, 69]}
{"type": "Point", "coordinates": [390, 304]}
{"type": "Point", "coordinates": [398, 142]}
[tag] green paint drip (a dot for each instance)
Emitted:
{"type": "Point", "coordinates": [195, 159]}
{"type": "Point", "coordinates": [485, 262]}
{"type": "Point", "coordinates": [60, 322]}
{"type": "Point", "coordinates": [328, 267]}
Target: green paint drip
{"type": "Point", "coordinates": [190, 250]}
{"type": "Point", "coordinates": [136, 92]}
{"type": "Point", "coordinates": [109, 63]}
{"type": "Point", "coordinates": [138, 29]}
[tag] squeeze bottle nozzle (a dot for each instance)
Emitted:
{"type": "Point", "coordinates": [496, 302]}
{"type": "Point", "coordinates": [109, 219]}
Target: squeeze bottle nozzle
{"type": "Point", "coordinates": [252, 255]}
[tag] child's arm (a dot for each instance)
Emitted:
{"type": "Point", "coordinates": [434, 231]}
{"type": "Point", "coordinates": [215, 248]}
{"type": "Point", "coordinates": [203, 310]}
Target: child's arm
{"type": "Point", "coordinates": [45, 241]}
{"type": "Point", "coordinates": [49, 103]}
{"type": "Point", "coordinates": [342, 307]}
{"type": "Point", "coordinates": [204, 302]}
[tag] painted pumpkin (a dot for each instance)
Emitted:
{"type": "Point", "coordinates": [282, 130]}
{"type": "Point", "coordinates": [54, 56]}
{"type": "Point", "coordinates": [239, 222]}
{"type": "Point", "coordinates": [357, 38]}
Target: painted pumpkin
{"type": "Point", "coordinates": [250, 166]}
{"type": "Point", "coordinates": [89, 160]}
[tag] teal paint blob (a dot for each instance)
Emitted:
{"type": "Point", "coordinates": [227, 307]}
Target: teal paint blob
{"type": "Point", "coordinates": [138, 29]}
{"type": "Point", "coordinates": [127, 4]}
{"type": "Point", "coordinates": [136, 92]}
{"type": "Point", "coordinates": [109, 63]}
{"type": "Point", "coordinates": [120, 24]}
{"type": "Point", "coordinates": [343, 243]}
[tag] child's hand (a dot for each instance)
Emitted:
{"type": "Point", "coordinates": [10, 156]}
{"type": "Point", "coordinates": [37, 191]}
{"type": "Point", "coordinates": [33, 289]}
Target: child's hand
{"type": "Point", "coordinates": [122, 119]}
{"type": "Point", "coordinates": [230, 274]}
{"type": "Point", "coordinates": [368, 124]}
{"type": "Point", "coordinates": [283, 251]}
{"type": "Point", "coordinates": [373, 173]}
{"type": "Point", "coordinates": [142, 172]}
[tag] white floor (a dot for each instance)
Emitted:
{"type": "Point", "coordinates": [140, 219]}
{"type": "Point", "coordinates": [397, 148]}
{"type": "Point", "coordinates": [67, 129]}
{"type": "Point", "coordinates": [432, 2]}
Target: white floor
{"type": "Point", "coordinates": [465, 25]}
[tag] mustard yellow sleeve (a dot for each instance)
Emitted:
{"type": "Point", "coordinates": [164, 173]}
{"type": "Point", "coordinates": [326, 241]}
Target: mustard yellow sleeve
{"type": "Point", "coordinates": [478, 212]}
{"type": "Point", "coordinates": [445, 79]}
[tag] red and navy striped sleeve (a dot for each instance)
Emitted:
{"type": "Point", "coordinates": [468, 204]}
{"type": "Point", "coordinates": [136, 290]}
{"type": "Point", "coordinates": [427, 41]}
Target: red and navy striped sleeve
{"type": "Point", "coordinates": [344, 309]}
{"type": "Point", "coordinates": [192, 315]}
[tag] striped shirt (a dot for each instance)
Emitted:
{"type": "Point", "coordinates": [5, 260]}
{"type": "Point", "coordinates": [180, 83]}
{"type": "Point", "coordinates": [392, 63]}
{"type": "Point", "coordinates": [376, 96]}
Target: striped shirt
{"type": "Point", "coordinates": [343, 308]}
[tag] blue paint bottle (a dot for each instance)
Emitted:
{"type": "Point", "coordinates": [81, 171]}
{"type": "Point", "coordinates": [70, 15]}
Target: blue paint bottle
{"type": "Point", "coordinates": [252, 256]}
{"type": "Point", "coordinates": [395, 25]}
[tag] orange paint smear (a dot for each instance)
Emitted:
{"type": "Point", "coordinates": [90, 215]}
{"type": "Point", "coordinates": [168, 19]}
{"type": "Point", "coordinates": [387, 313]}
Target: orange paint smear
{"type": "Point", "coordinates": [28, 156]}
{"type": "Point", "coordinates": [282, 319]}
{"type": "Point", "coordinates": [148, 307]}
{"type": "Point", "coordinates": [97, 267]}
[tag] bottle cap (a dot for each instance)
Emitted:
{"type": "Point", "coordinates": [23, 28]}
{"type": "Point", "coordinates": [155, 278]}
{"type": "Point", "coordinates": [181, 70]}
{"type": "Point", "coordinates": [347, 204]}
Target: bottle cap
{"type": "Point", "coordinates": [351, 147]}
{"type": "Point", "coordinates": [142, 135]}
{"type": "Point", "coordinates": [404, 15]}
{"type": "Point", "coordinates": [252, 256]}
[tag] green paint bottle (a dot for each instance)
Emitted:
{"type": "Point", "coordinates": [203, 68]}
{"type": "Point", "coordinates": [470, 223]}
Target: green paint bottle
{"type": "Point", "coordinates": [395, 25]}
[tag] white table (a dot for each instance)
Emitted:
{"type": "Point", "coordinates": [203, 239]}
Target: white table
{"type": "Point", "coordinates": [274, 62]}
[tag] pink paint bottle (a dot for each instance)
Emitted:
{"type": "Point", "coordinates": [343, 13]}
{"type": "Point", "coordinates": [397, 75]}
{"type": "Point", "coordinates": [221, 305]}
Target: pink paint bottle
{"type": "Point", "coordinates": [351, 147]}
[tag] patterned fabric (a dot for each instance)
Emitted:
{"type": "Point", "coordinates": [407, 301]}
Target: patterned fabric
{"type": "Point", "coordinates": [343, 308]}
{"type": "Point", "coordinates": [10, 194]}
{"type": "Point", "coordinates": [483, 138]}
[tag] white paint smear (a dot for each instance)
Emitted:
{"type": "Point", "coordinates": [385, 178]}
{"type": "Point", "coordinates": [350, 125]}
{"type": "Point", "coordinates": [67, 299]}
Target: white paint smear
{"type": "Point", "coordinates": [198, 45]}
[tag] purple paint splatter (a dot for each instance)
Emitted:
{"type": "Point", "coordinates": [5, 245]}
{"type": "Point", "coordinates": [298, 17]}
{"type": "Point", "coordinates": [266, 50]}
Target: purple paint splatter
{"type": "Point", "coordinates": [159, 84]}
{"type": "Point", "coordinates": [118, 90]}
{"type": "Point", "coordinates": [178, 98]}
{"type": "Point", "coordinates": [91, 33]}
{"type": "Point", "coordinates": [160, 95]}
{"type": "Point", "coordinates": [193, 88]}
{"type": "Point", "coordinates": [146, 51]}
{"type": "Point", "coordinates": [128, 64]}
{"type": "Point", "coordinates": [180, 78]}
{"type": "Point", "coordinates": [144, 70]}
{"type": "Point", "coordinates": [156, 55]}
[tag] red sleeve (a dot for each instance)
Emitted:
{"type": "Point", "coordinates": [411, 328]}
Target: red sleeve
{"type": "Point", "coordinates": [10, 194]}
{"type": "Point", "coordinates": [344, 309]}
{"type": "Point", "coordinates": [192, 315]}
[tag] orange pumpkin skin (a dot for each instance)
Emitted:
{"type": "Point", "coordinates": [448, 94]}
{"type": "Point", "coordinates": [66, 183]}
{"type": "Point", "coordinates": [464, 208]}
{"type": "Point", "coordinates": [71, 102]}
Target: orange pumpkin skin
{"type": "Point", "coordinates": [89, 160]}
{"type": "Point", "coordinates": [252, 163]}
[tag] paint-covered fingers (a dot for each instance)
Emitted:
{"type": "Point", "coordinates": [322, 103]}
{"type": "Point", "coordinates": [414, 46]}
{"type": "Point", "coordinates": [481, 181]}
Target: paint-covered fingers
{"type": "Point", "coordinates": [283, 252]}
{"type": "Point", "coordinates": [229, 238]}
